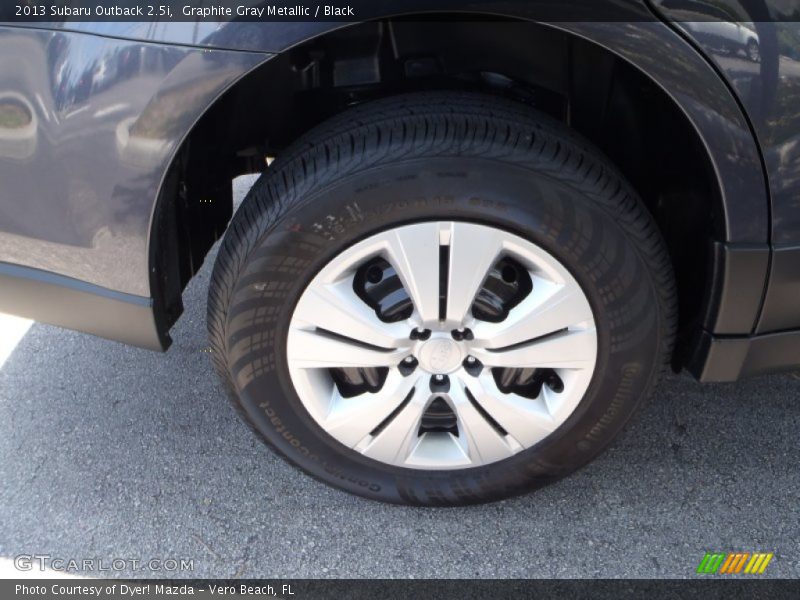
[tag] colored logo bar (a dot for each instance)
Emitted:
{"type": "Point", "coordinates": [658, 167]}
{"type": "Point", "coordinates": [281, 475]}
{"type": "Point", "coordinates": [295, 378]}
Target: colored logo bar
{"type": "Point", "coordinates": [734, 563]}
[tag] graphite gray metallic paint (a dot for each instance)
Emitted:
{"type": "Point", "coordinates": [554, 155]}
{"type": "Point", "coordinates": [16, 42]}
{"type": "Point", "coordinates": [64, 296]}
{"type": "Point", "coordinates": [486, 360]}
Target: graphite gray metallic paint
{"type": "Point", "coordinates": [100, 105]}
{"type": "Point", "coordinates": [102, 119]}
{"type": "Point", "coordinates": [769, 89]}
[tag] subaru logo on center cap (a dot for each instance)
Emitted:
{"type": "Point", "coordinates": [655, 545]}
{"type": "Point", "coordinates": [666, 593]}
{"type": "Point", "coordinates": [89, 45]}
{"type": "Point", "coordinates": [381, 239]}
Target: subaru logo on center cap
{"type": "Point", "coordinates": [440, 355]}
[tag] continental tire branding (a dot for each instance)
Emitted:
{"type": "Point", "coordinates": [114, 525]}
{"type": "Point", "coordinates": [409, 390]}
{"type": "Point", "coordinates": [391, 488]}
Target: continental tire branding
{"type": "Point", "coordinates": [281, 429]}
{"type": "Point", "coordinates": [338, 474]}
{"type": "Point", "coordinates": [625, 393]}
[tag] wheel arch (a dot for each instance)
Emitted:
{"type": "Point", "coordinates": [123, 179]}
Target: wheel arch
{"type": "Point", "coordinates": [291, 94]}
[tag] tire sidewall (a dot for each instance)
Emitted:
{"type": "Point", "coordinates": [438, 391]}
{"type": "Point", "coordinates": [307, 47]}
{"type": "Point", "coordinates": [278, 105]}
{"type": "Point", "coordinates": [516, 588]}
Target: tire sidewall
{"type": "Point", "coordinates": [568, 221]}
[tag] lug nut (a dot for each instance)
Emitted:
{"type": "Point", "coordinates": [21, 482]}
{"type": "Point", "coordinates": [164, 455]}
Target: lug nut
{"type": "Point", "coordinates": [407, 365]}
{"type": "Point", "coordinates": [473, 366]}
{"type": "Point", "coordinates": [440, 384]}
{"type": "Point", "coordinates": [420, 334]}
{"type": "Point", "coordinates": [462, 334]}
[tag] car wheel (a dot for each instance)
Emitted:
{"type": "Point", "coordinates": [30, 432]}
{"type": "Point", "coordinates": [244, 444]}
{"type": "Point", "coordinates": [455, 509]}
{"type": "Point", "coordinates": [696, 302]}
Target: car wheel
{"type": "Point", "coordinates": [441, 299]}
{"type": "Point", "coordinates": [753, 51]}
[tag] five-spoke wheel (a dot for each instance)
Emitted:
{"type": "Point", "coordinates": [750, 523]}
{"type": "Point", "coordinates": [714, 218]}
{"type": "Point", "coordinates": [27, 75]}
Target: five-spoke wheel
{"type": "Point", "coordinates": [442, 345]}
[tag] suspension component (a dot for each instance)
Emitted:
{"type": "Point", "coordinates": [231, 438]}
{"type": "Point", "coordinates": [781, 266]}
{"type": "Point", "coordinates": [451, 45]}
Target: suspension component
{"type": "Point", "coordinates": [378, 284]}
{"type": "Point", "coordinates": [439, 418]}
{"type": "Point", "coordinates": [507, 283]}
{"type": "Point", "coordinates": [526, 382]}
{"type": "Point", "coordinates": [352, 381]}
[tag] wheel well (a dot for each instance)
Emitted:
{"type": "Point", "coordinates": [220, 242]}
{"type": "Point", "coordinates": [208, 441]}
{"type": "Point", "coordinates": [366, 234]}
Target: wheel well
{"type": "Point", "coordinates": [595, 92]}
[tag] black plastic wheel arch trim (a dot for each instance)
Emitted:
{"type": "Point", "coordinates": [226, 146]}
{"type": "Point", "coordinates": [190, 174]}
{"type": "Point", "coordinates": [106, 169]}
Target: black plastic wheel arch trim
{"type": "Point", "coordinates": [74, 304]}
{"type": "Point", "coordinates": [736, 287]}
{"type": "Point", "coordinates": [721, 359]}
{"type": "Point", "coordinates": [780, 312]}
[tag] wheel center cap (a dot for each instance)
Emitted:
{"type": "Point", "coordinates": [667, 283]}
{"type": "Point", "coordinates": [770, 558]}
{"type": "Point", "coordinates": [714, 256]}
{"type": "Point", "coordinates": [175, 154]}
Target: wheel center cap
{"type": "Point", "coordinates": [441, 355]}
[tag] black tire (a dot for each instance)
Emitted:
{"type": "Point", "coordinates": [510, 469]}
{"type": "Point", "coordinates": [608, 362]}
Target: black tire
{"type": "Point", "coordinates": [441, 156]}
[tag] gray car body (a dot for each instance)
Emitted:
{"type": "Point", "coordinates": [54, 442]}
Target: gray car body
{"type": "Point", "coordinates": [111, 103]}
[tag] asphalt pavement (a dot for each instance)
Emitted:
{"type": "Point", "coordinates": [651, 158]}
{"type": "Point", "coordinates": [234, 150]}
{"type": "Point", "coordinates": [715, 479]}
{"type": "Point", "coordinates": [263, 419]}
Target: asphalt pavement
{"type": "Point", "coordinates": [110, 452]}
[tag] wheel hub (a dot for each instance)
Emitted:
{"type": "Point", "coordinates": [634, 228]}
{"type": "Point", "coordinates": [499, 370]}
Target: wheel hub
{"type": "Point", "coordinates": [441, 355]}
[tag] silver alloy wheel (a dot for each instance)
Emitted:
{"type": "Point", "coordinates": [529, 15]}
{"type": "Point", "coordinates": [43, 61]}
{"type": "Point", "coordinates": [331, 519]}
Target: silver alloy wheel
{"type": "Point", "coordinates": [442, 352]}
